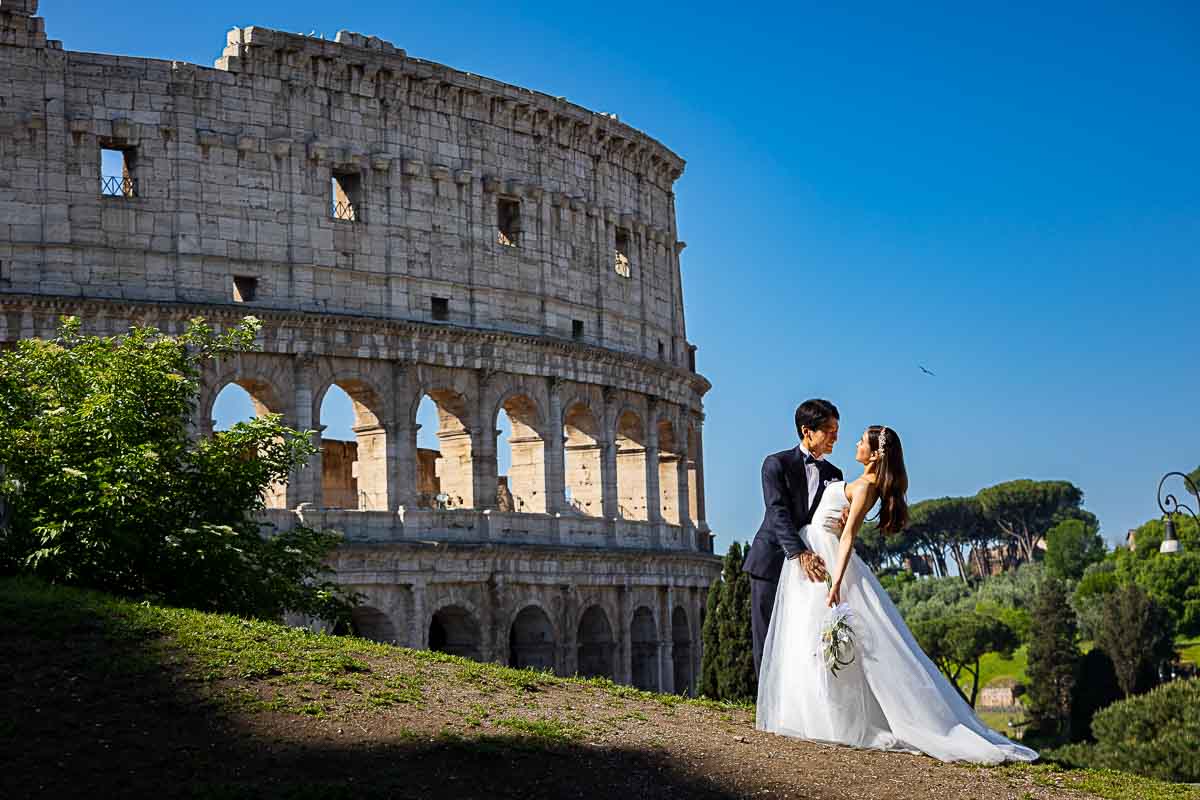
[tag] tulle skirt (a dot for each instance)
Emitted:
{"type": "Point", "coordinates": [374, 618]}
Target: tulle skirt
{"type": "Point", "coordinates": [891, 697]}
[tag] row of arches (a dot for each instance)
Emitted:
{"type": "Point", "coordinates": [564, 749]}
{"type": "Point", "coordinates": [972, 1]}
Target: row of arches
{"type": "Point", "coordinates": [532, 643]}
{"type": "Point", "coordinates": [521, 451]}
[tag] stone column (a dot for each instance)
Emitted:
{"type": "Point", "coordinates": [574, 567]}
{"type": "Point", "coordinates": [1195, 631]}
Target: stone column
{"type": "Point", "coordinates": [304, 483]}
{"type": "Point", "coordinates": [483, 450]}
{"type": "Point", "coordinates": [568, 657]}
{"type": "Point", "coordinates": [701, 520]}
{"type": "Point", "coordinates": [666, 643]}
{"type": "Point", "coordinates": [553, 451]}
{"type": "Point", "coordinates": [608, 463]}
{"type": "Point", "coordinates": [402, 466]}
{"type": "Point", "coordinates": [624, 639]}
{"type": "Point", "coordinates": [420, 630]}
{"type": "Point", "coordinates": [683, 501]}
{"type": "Point", "coordinates": [653, 494]}
{"type": "Point", "coordinates": [696, 603]}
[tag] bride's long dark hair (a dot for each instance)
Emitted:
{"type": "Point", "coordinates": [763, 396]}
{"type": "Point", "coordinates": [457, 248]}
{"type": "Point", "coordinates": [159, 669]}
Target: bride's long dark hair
{"type": "Point", "coordinates": [891, 479]}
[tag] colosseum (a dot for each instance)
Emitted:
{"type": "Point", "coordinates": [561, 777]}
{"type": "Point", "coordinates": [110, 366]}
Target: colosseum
{"type": "Point", "coordinates": [403, 230]}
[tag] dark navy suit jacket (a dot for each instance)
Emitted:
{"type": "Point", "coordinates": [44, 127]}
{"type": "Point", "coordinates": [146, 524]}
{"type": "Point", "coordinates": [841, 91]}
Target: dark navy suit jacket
{"type": "Point", "coordinates": [785, 494]}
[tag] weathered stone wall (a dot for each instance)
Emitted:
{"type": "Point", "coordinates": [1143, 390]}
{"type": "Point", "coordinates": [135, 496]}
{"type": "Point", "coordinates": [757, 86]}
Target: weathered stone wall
{"type": "Point", "coordinates": [494, 249]}
{"type": "Point", "coordinates": [231, 177]}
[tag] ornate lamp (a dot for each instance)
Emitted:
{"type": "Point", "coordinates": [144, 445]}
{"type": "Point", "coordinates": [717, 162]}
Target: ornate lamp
{"type": "Point", "coordinates": [1170, 506]}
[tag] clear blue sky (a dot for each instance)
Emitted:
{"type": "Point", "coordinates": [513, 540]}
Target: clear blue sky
{"type": "Point", "coordinates": [1008, 195]}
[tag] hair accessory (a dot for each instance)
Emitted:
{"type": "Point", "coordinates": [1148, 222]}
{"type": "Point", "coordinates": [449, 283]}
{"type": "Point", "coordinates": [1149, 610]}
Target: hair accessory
{"type": "Point", "coordinates": [882, 441]}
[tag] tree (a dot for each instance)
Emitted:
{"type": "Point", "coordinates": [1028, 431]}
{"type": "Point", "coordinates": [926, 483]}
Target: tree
{"type": "Point", "coordinates": [711, 639]}
{"type": "Point", "coordinates": [957, 643]}
{"type": "Point", "coordinates": [1053, 656]}
{"type": "Point", "coordinates": [1025, 510]}
{"type": "Point", "coordinates": [1071, 546]}
{"type": "Point", "coordinates": [949, 524]}
{"type": "Point", "coordinates": [1095, 688]}
{"type": "Point", "coordinates": [1138, 636]}
{"type": "Point", "coordinates": [727, 669]}
{"type": "Point", "coordinates": [109, 490]}
{"type": "Point", "coordinates": [1171, 580]}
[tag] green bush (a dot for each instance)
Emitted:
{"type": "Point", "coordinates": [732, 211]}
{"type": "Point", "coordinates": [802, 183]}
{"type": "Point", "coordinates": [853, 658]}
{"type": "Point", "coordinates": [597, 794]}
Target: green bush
{"type": "Point", "coordinates": [109, 489]}
{"type": "Point", "coordinates": [1156, 734]}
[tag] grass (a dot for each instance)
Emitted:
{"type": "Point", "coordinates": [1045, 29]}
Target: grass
{"type": "Point", "coordinates": [1108, 784]}
{"type": "Point", "coordinates": [994, 665]}
{"type": "Point", "coordinates": [248, 666]}
{"type": "Point", "coordinates": [1189, 649]}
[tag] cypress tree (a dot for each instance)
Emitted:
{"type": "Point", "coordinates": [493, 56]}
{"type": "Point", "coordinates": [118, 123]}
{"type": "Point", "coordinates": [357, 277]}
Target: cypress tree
{"type": "Point", "coordinates": [727, 669]}
{"type": "Point", "coordinates": [1053, 657]}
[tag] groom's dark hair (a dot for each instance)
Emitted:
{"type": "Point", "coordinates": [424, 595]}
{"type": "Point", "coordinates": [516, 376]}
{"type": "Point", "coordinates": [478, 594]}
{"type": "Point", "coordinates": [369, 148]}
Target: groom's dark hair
{"type": "Point", "coordinates": [814, 414]}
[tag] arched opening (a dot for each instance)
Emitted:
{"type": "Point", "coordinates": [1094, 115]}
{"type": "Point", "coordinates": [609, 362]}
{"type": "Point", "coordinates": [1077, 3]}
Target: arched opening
{"type": "Point", "coordinates": [582, 454]}
{"type": "Point", "coordinates": [444, 466]}
{"type": "Point", "coordinates": [453, 630]}
{"type": "Point", "coordinates": [631, 467]}
{"type": "Point", "coordinates": [353, 448]}
{"type": "Point", "coordinates": [371, 623]}
{"type": "Point", "coordinates": [681, 651]}
{"type": "Point", "coordinates": [520, 454]}
{"type": "Point", "coordinates": [531, 640]}
{"type": "Point", "coordinates": [644, 646]}
{"type": "Point", "coordinates": [597, 647]}
{"type": "Point", "coordinates": [242, 401]}
{"type": "Point", "coordinates": [668, 473]}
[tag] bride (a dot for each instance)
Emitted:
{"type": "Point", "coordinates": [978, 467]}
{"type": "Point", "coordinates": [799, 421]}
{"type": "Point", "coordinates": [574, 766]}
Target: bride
{"type": "Point", "coordinates": [891, 696]}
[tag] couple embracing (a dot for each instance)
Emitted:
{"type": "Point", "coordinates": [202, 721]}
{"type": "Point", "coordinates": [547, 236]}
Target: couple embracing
{"type": "Point", "coordinates": [857, 677]}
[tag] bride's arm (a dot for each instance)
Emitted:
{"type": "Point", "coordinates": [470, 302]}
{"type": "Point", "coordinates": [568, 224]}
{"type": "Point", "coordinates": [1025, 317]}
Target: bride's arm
{"type": "Point", "coordinates": [862, 497]}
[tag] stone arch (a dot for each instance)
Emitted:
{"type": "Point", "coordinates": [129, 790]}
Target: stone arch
{"type": "Point", "coordinates": [597, 645]}
{"type": "Point", "coordinates": [445, 478]}
{"type": "Point", "coordinates": [583, 459]}
{"type": "Point", "coordinates": [266, 398]}
{"type": "Point", "coordinates": [643, 637]}
{"type": "Point", "coordinates": [526, 480]}
{"type": "Point", "coordinates": [669, 456]}
{"type": "Point", "coordinates": [454, 629]}
{"type": "Point", "coordinates": [355, 474]}
{"type": "Point", "coordinates": [681, 651]}
{"type": "Point", "coordinates": [630, 433]}
{"type": "Point", "coordinates": [531, 639]}
{"type": "Point", "coordinates": [369, 622]}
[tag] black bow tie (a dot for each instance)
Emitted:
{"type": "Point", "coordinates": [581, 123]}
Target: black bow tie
{"type": "Point", "coordinates": [808, 459]}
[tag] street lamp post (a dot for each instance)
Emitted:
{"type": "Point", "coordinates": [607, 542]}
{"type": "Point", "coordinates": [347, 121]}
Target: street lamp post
{"type": "Point", "coordinates": [1170, 506]}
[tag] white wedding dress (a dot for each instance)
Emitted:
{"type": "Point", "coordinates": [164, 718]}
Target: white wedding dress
{"type": "Point", "coordinates": [891, 698]}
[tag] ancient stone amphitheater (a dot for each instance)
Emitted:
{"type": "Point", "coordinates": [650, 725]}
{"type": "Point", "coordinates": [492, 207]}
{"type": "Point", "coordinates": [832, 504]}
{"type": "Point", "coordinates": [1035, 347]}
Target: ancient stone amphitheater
{"type": "Point", "coordinates": [403, 230]}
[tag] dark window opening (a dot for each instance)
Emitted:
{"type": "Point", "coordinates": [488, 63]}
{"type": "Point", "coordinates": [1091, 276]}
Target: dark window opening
{"type": "Point", "coordinates": [576, 329]}
{"type": "Point", "coordinates": [346, 202]}
{"type": "Point", "coordinates": [692, 357]}
{"type": "Point", "coordinates": [508, 222]}
{"type": "Point", "coordinates": [662, 349]}
{"type": "Point", "coordinates": [117, 176]}
{"type": "Point", "coordinates": [441, 309]}
{"type": "Point", "coordinates": [245, 289]}
{"type": "Point", "coordinates": [622, 262]}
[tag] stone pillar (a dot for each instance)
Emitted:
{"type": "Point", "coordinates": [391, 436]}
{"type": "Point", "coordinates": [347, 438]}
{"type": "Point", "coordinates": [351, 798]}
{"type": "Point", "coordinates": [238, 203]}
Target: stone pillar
{"type": "Point", "coordinates": [459, 477]}
{"type": "Point", "coordinates": [608, 479]}
{"type": "Point", "coordinates": [666, 643]}
{"type": "Point", "coordinates": [553, 452]}
{"type": "Point", "coordinates": [568, 654]}
{"type": "Point", "coordinates": [372, 467]}
{"type": "Point", "coordinates": [483, 450]}
{"type": "Point", "coordinates": [402, 466]}
{"type": "Point", "coordinates": [700, 519]}
{"type": "Point", "coordinates": [420, 631]}
{"type": "Point", "coordinates": [624, 672]}
{"type": "Point", "coordinates": [304, 482]}
{"type": "Point", "coordinates": [653, 494]}
{"type": "Point", "coordinates": [696, 603]}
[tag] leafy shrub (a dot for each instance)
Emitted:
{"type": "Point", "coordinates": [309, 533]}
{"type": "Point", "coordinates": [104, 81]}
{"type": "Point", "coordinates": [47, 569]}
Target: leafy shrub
{"type": "Point", "coordinates": [108, 489]}
{"type": "Point", "coordinates": [1138, 636]}
{"type": "Point", "coordinates": [1095, 688]}
{"type": "Point", "coordinates": [1156, 734]}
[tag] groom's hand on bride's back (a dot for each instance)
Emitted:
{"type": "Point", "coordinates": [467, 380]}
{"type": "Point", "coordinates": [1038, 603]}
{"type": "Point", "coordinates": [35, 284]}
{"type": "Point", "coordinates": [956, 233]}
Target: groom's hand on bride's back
{"type": "Point", "coordinates": [813, 566]}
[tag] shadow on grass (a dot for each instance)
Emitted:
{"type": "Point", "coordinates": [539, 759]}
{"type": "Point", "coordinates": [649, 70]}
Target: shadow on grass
{"type": "Point", "coordinates": [88, 710]}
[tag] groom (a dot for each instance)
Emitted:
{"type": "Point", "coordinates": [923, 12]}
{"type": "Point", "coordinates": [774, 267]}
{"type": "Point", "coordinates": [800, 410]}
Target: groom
{"type": "Point", "coordinates": [793, 482]}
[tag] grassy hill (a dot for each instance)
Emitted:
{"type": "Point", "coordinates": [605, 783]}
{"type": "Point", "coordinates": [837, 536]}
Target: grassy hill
{"type": "Point", "coordinates": [108, 698]}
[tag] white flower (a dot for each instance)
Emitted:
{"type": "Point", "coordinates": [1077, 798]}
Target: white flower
{"type": "Point", "coordinates": [837, 638]}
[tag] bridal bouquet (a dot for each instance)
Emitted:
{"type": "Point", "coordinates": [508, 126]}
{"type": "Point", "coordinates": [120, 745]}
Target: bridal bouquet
{"type": "Point", "coordinates": [837, 638]}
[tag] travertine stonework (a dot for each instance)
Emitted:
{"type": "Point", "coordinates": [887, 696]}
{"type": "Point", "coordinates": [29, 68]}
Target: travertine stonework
{"type": "Point", "coordinates": [403, 230]}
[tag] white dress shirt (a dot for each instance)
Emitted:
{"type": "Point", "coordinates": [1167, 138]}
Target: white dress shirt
{"type": "Point", "coordinates": [812, 474]}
